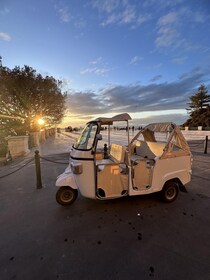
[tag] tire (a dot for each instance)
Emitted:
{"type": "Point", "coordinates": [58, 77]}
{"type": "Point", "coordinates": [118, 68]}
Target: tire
{"type": "Point", "coordinates": [170, 191]}
{"type": "Point", "coordinates": [66, 196]}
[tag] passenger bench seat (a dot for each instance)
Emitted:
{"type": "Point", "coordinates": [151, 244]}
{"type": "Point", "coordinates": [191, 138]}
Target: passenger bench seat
{"type": "Point", "coordinates": [117, 153]}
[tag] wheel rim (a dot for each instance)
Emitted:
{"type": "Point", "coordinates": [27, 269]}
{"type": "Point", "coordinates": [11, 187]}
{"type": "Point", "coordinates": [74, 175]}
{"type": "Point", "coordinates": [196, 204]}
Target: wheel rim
{"type": "Point", "coordinates": [170, 193]}
{"type": "Point", "coordinates": [67, 196]}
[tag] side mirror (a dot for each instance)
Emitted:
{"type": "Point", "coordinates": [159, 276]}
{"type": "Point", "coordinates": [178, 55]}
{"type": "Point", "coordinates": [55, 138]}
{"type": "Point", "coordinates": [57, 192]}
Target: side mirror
{"type": "Point", "coordinates": [99, 137]}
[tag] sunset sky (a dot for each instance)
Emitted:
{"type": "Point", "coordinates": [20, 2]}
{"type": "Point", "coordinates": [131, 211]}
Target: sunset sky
{"type": "Point", "coordinates": [142, 57]}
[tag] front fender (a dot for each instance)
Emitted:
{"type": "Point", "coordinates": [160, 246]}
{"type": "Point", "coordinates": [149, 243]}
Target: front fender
{"type": "Point", "coordinates": [66, 179]}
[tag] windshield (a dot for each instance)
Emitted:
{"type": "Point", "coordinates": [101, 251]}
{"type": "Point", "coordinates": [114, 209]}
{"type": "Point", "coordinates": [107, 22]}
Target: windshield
{"type": "Point", "coordinates": [86, 139]}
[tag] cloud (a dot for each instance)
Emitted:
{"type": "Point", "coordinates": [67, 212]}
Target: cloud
{"type": "Point", "coordinates": [156, 78]}
{"type": "Point", "coordinates": [80, 23]}
{"type": "Point", "coordinates": [113, 18]}
{"type": "Point", "coordinates": [178, 118]}
{"type": "Point", "coordinates": [161, 4]}
{"type": "Point", "coordinates": [127, 16]}
{"type": "Point", "coordinates": [96, 61]}
{"type": "Point", "coordinates": [170, 29]}
{"type": "Point", "coordinates": [170, 18]}
{"type": "Point", "coordinates": [84, 103]}
{"type": "Point", "coordinates": [198, 16]}
{"type": "Point", "coordinates": [167, 37]}
{"type": "Point", "coordinates": [105, 5]}
{"type": "Point", "coordinates": [97, 66]}
{"type": "Point", "coordinates": [179, 60]}
{"type": "Point", "coordinates": [144, 18]}
{"type": "Point", "coordinates": [64, 14]}
{"type": "Point", "coordinates": [5, 37]}
{"type": "Point", "coordinates": [155, 66]}
{"type": "Point", "coordinates": [136, 59]}
{"type": "Point", "coordinates": [95, 70]}
{"type": "Point", "coordinates": [138, 98]}
{"type": "Point", "coordinates": [206, 49]}
{"type": "Point", "coordinates": [4, 11]}
{"type": "Point", "coordinates": [167, 32]}
{"type": "Point", "coordinates": [120, 12]}
{"type": "Point", "coordinates": [66, 83]}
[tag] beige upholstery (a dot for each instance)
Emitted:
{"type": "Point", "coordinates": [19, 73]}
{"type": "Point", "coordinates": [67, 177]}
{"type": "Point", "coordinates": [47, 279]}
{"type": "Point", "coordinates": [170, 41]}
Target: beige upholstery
{"type": "Point", "coordinates": [149, 149]}
{"type": "Point", "coordinates": [143, 150]}
{"type": "Point", "coordinates": [112, 181]}
{"type": "Point", "coordinates": [156, 148]}
{"type": "Point", "coordinates": [117, 152]}
{"type": "Point", "coordinates": [110, 178]}
{"type": "Point", "coordinates": [141, 175]}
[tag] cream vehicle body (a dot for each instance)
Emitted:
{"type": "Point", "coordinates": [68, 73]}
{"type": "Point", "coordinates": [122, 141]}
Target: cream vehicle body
{"type": "Point", "coordinates": [104, 165]}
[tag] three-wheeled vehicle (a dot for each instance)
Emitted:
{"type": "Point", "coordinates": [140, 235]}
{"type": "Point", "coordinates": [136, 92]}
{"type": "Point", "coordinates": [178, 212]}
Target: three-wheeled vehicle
{"type": "Point", "coordinates": [106, 164]}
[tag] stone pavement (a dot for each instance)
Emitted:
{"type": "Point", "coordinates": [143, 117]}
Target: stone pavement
{"type": "Point", "coordinates": [54, 145]}
{"type": "Point", "coordinates": [61, 143]}
{"type": "Point", "coordinates": [129, 238]}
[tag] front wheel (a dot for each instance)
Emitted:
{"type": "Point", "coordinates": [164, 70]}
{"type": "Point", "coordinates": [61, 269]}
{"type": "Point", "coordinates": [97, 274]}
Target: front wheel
{"type": "Point", "coordinates": [170, 191]}
{"type": "Point", "coordinates": [66, 195]}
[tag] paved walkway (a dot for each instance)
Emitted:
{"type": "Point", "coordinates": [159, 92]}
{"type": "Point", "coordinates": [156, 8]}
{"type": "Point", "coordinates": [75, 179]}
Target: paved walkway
{"type": "Point", "coordinates": [130, 238]}
{"type": "Point", "coordinates": [59, 144]}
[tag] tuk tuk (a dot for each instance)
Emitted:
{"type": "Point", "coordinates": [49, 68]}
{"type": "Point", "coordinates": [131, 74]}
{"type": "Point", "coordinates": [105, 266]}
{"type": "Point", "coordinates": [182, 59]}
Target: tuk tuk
{"type": "Point", "coordinates": [106, 164]}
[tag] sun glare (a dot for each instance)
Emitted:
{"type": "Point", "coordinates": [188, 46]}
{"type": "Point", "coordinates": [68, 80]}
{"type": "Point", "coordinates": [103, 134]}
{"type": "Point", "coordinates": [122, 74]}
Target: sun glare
{"type": "Point", "coordinates": [40, 121]}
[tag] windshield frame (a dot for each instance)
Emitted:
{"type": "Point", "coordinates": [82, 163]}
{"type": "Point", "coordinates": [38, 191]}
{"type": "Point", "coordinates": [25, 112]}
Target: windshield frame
{"type": "Point", "coordinates": [85, 137]}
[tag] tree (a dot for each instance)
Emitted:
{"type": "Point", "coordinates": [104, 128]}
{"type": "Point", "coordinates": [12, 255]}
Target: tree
{"type": "Point", "coordinates": [26, 96]}
{"type": "Point", "coordinates": [199, 108]}
{"type": "Point", "coordinates": [199, 100]}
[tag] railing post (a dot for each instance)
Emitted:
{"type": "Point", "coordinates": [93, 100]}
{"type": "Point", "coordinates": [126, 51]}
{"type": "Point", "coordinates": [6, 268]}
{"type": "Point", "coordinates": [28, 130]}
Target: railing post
{"type": "Point", "coordinates": [38, 170]}
{"type": "Point", "coordinates": [206, 145]}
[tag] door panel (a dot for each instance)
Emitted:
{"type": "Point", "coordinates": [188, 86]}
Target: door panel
{"type": "Point", "coordinates": [112, 180]}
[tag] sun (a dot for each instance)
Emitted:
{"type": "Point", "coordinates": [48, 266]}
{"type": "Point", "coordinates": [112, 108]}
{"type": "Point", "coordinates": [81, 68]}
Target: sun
{"type": "Point", "coordinates": [40, 121]}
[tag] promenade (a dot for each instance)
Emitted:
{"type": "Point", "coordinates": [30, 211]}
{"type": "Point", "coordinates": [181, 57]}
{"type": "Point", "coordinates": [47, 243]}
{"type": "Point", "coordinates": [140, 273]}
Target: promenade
{"type": "Point", "coordinates": [129, 238]}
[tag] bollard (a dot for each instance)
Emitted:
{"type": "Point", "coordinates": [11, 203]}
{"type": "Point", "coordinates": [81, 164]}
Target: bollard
{"type": "Point", "coordinates": [205, 145]}
{"type": "Point", "coordinates": [38, 170]}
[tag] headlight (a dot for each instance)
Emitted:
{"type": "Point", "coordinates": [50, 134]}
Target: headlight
{"type": "Point", "coordinates": [76, 168]}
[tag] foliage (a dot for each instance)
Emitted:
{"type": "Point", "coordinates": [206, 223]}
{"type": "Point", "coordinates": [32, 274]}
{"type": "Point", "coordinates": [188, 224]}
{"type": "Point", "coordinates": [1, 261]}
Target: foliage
{"type": "Point", "coordinates": [199, 108]}
{"type": "Point", "coordinates": [199, 118]}
{"type": "Point", "coordinates": [25, 96]}
{"type": "Point", "coordinates": [3, 145]}
{"type": "Point", "coordinates": [199, 100]}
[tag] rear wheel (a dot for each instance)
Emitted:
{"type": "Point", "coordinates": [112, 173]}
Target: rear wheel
{"type": "Point", "coordinates": [170, 191]}
{"type": "Point", "coordinates": [66, 195]}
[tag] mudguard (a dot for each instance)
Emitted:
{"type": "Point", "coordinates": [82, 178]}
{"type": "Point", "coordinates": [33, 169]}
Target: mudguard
{"type": "Point", "coordinates": [182, 188]}
{"type": "Point", "coordinates": [66, 179]}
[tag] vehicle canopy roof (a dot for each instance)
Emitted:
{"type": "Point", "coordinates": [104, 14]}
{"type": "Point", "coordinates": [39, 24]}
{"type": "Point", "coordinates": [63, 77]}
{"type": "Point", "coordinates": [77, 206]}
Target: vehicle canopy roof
{"type": "Point", "coordinates": [109, 121]}
{"type": "Point", "coordinates": [149, 131]}
{"type": "Point", "coordinates": [160, 127]}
